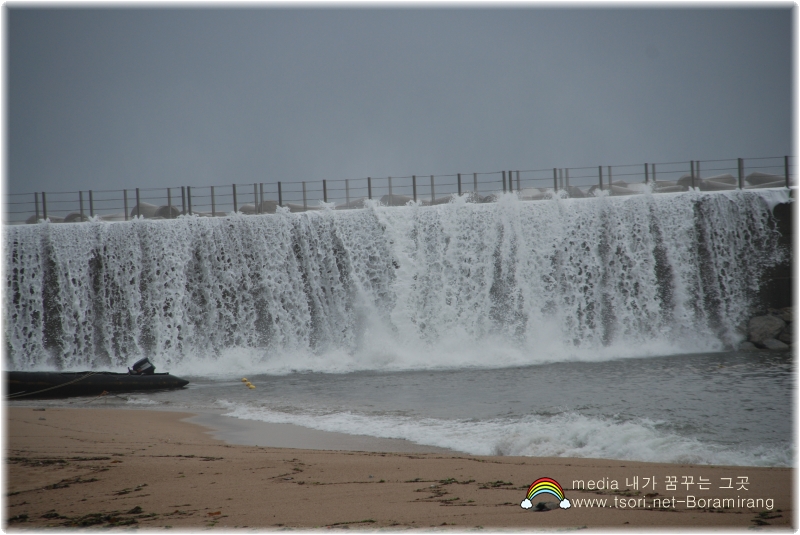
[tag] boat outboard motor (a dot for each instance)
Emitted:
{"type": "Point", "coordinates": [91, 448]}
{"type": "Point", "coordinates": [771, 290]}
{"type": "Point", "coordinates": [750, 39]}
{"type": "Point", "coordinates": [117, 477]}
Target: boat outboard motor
{"type": "Point", "coordinates": [142, 367]}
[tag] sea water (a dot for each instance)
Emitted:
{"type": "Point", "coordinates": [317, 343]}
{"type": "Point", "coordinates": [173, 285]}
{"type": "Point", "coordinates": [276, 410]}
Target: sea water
{"type": "Point", "coordinates": [573, 327]}
{"type": "Point", "coordinates": [724, 408]}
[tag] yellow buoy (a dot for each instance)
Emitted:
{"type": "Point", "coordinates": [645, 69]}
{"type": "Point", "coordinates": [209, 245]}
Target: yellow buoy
{"type": "Point", "coordinates": [251, 387]}
{"type": "Point", "coordinates": [244, 380]}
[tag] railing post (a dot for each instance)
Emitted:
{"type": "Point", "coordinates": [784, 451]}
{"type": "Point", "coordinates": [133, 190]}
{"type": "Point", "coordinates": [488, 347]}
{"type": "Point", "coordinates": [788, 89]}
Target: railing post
{"type": "Point", "coordinates": [36, 201]}
{"type": "Point", "coordinates": [740, 165]}
{"type": "Point", "coordinates": [183, 199]}
{"type": "Point", "coordinates": [610, 179]}
{"type": "Point", "coordinates": [786, 169]}
{"type": "Point", "coordinates": [391, 197]}
{"type": "Point", "coordinates": [561, 180]}
{"type": "Point", "coordinates": [347, 191]}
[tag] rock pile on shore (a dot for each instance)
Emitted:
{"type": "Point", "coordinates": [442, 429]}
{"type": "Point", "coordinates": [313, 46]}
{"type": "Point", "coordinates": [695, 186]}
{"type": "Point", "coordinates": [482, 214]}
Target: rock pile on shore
{"type": "Point", "coordinates": [772, 331]}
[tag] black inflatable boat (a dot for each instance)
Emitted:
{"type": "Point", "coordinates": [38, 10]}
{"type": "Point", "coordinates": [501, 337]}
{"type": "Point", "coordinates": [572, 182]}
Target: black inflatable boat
{"type": "Point", "coordinates": [64, 384]}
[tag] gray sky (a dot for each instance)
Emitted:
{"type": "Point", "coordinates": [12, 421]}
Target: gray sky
{"type": "Point", "coordinates": [122, 98]}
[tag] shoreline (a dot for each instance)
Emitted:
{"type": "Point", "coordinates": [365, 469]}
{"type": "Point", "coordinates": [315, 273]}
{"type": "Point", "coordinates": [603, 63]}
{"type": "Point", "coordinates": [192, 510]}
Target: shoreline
{"type": "Point", "coordinates": [157, 469]}
{"type": "Point", "coordinates": [237, 431]}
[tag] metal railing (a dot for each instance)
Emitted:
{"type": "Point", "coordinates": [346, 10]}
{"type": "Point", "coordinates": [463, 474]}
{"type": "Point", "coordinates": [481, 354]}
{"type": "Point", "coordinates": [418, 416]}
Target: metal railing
{"type": "Point", "coordinates": [530, 184]}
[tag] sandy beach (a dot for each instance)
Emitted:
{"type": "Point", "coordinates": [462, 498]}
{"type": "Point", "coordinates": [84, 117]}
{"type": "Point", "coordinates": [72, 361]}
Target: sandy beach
{"type": "Point", "coordinates": [153, 469]}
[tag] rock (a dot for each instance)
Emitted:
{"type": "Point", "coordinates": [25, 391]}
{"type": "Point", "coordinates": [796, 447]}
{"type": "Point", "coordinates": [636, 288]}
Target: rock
{"type": "Point", "coordinates": [775, 345]}
{"type": "Point", "coordinates": [786, 314]}
{"type": "Point", "coordinates": [145, 209]}
{"type": "Point", "coordinates": [763, 328]}
{"type": "Point", "coordinates": [777, 184]}
{"type": "Point", "coordinates": [726, 178]}
{"type": "Point", "coordinates": [269, 207]}
{"type": "Point", "coordinates": [167, 212]}
{"type": "Point", "coordinates": [686, 181]}
{"type": "Point", "coordinates": [75, 216]}
{"type": "Point", "coordinates": [621, 190]}
{"type": "Point", "coordinates": [576, 193]}
{"type": "Point", "coordinates": [787, 334]}
{"type": "Point", "coordinates": [713, 185]}
{"type": "Point", "coordinates": [747, 346]}
{"type": "Point", "coordinates": [762, 179]}
{"type": "Point", "coordinates": [719, 182]}
{"type": "Point", "coordinates": [119, 216]}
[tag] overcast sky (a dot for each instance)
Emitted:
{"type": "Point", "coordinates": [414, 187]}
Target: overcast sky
{"type": "Point", "coordinates": [124, 98]}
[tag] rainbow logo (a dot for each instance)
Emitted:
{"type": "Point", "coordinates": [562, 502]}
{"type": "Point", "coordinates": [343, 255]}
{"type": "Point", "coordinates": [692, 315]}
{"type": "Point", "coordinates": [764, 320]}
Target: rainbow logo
{"type": "Point", "coordinates": [545, 485]}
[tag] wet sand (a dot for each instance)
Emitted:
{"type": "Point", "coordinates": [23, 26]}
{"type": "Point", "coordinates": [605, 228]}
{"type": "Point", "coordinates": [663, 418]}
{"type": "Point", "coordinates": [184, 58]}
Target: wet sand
{"type": "Point", "coordinates": [272, 435]}
{"type": "Point", "coordinates": [160, 470]}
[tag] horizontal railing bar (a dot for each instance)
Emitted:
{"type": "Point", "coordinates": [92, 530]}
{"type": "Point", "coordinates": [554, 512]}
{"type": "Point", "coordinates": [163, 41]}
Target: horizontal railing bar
{"type": "Point", "coordinates": [222, 198]}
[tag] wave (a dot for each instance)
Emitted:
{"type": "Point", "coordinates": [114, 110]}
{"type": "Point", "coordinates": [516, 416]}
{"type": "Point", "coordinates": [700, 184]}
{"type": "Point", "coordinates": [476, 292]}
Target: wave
{"type": "Point", "coordinates": [562, 435]}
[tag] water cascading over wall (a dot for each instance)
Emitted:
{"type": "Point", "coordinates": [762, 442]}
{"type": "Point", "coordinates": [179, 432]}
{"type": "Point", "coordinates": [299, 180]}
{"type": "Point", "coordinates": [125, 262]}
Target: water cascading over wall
{"type": "Point", "coordinates": [506, 283]}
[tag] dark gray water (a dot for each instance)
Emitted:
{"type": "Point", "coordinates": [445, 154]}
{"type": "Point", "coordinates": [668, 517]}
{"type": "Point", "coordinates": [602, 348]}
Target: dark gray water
{"type": "Point", "coordinates": [716, 408]}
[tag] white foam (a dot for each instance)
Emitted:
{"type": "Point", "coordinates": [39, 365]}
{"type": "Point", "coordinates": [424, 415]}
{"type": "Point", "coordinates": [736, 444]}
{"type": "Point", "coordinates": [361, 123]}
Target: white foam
{"type": "Point", "coordinates": [564, 435]}
{"type": "Point", "coordinates": [459, 285]}
{"type": "Point", "coordinates": [141, 401]}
